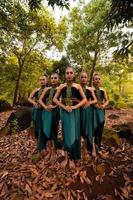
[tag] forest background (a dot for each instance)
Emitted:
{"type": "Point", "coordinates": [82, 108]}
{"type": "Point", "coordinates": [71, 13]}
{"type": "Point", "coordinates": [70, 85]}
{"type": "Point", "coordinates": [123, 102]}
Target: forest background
{"type": "Point", "coordinates": [88, 38]}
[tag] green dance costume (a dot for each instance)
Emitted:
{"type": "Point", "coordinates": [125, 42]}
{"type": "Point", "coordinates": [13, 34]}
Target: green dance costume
{"type": "Point", "coordinates": [71, 122]}
{"type": "Point", "coordinates": [99, 117]}
{"type": "Point", "coordinates": [37, 114]}
{"type": "Point", "coordinates": [87, 130]}
{"type": "Point", "coordinates": [50, 121]}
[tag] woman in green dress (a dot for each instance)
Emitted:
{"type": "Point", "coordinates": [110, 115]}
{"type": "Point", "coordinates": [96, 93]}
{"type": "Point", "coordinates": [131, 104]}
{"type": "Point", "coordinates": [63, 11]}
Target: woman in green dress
{"type": "Point", "coordinates": [87, 130]}
{"type": "Point", "coordinates": [99, 110]}
{"type": "Point", "coordinates": [71, 99]}
{"type": "Point", "coordinates": [50, 116]}
{"type": "Point", "coordinates": [37, 109]}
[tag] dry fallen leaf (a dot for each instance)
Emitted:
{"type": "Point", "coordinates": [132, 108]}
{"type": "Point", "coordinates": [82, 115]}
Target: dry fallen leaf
{"type": "Point", "coordinates": [74, 193]}
{"type": "Point", "coordinates": [105, 197]}
{"type": "Point", "coordinates": [4, 190]}
{"type": "Point", "coordinates": [84, 196]}
{"type": "Point", "coordinates": [54, 187]}
{"type": "Point", "coordinates": [48, 194]}
{"type": "Point", "coordinates": [125, 192]}
{"type": "Point", "coordinates": [97, 177]}
{"type": "Point", "coordinates": [33, 180]}
{"type": "Point", "coordinates": [27, 187]}
{"type": "Point", "coordinates": [88, 181]}
{"type": "Point", "coordinates": [126, 177]}
{"type": "Point", "coordinates": [3, 174]}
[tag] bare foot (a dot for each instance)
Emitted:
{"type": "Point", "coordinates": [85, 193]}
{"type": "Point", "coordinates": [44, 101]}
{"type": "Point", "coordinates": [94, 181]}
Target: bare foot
{"type": "Point", "coordinates": [42, 153]}
{"type": "Point", "coordinates": [100, 152]}
{"type": "Point", "coordinates": [60, 152]}
{"type": "Point", "coordinates": [53, 155]}
{"type": "Point", "coordinates": [47, 156]}
{"type": "Point", "coordinates": [85, 155]}
{"type": "Point", "coordinates": [94, 153]}
{"type": "Point", "coordinates": [77, 163]}
{"type": "Point", "coordinates": [71, 164]}
{"type": "Point", "coordinates": [64, 163]}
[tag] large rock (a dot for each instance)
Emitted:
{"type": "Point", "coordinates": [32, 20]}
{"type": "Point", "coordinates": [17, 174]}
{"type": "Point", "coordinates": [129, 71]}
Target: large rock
{"type": "Point", "coordinates": [4, 106]}
{"type": "Point", "coordinates": [125, 130]}
{"type": "Point", "coordinates": [111, 137]}
{"type": "Point", "coordinates": [24, 102]}
{"type": "Point", "coordinates": [19, 120]}
{"type": "Point", "coordinates": [113, 116]}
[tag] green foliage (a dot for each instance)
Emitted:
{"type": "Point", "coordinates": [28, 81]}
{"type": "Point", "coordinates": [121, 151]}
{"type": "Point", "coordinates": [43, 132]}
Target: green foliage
{"type": "Point", "coordinates": [121, 12]}
{"type": "Point", "coordinates": [35, 158]}
{"type": "Point", "coordinates": [87, 39]}
{"type": "Point", "coordinates": [125, 102]}
{"type": "Point", "coordinates": [121, 104]}
{"type": "Point", "coordinates": [27, 34]}
{"type": "Point", "coordinates": [14, 126]}
{"type": "Point", "coordinates": [34, 4]}
{"type": "Point", "coordinates": [111, 137]}
{"type": "Point", "coordinates": [121, 15]}
{"type": "Point", "coordinates": [22, 51]}
{"type": "Point", "coordinates": [60, 67]}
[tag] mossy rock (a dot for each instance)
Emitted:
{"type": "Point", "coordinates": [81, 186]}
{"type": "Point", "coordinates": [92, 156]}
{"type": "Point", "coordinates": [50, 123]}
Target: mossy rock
{"type": "Point", "coordinates": [19, 120]}
{"type": "Point", "coordinates": [111, 137]}
{"type": "Point", "coordinates": [125, 130]}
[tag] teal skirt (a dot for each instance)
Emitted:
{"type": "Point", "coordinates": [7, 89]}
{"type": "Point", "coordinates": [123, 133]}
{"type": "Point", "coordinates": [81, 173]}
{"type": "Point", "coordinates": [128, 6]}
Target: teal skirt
{"type": "Point", "coordinates": [71, 133]}
{"type": "Point", "coordinates": [98, 117]}
{"type": "Point", "coordinates": [37, 120]}
{"type": "Point", "coordinates": [49, 131]}
{"type": "Point", "coordinates": [87, 130]}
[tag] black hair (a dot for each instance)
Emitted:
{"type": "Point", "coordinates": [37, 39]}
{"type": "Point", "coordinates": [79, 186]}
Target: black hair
{"type": "Point", "coordinates": [55, 73]}
{"type": "Point", "coordinates": [83, 72]}
{"type": "Point", "coordinates": [69, 66]}
{"type": "Point", "coordinates": [95, 75]}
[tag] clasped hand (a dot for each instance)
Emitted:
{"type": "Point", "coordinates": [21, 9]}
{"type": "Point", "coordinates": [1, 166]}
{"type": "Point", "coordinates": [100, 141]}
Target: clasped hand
{"type": "Point", "coordinates": [69, 108]}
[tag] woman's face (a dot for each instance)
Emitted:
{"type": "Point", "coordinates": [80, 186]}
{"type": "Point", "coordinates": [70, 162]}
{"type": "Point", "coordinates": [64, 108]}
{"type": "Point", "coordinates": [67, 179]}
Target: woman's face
{"type": "Point", "coordinates": [83, 78]}
{"type": "Point", "coordinates": [43, 80]}
{"type": "Point", "coordinates": [97, 80]}
{"type": "Point", "coordinates": [54, 79]}
{"type": "Point", "coordinates": [69, 74]}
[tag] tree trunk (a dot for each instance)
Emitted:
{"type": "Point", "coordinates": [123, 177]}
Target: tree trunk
{"type": "Point", "coordinates": [93, 67]}
{"type": "Point", "coordinates": [17, 83]}
{"type": "Point", "coordinates": [95, 58]}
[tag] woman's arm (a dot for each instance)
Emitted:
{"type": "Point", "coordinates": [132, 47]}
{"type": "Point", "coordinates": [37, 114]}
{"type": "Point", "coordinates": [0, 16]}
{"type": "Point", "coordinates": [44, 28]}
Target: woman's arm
{"type": "Point", "coordinates": [94, 97]}
{"type": "Point", "coordinates": [56, 96]}
{"type": "Point", "coordinates": [90, 102]}
{"type": "Point", "coordinates": [58, 103]}
{"type": "Point", "coordinates": [83, 101]}
{"type": "Point", "coordinates": [41, 99]}
{"type": "Point", "coordinates": [30, 98]}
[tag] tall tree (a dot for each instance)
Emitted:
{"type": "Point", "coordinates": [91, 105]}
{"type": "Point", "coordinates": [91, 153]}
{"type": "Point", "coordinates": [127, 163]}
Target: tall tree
{"type": "Point", "coordinates": [121, 15]}
{"type": "Point", "coordinates": [30, 31]}
{"type": "Point", "coordinates": [121, 12]}
{"type": "Point", "coordinates": [34, 4]}
{"type": "Point", "coordinates": [88, 34]}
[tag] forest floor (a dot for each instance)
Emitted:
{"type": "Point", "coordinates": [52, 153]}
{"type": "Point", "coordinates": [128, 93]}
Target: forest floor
{"type": "Point", "coordinates": [26, 176]}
